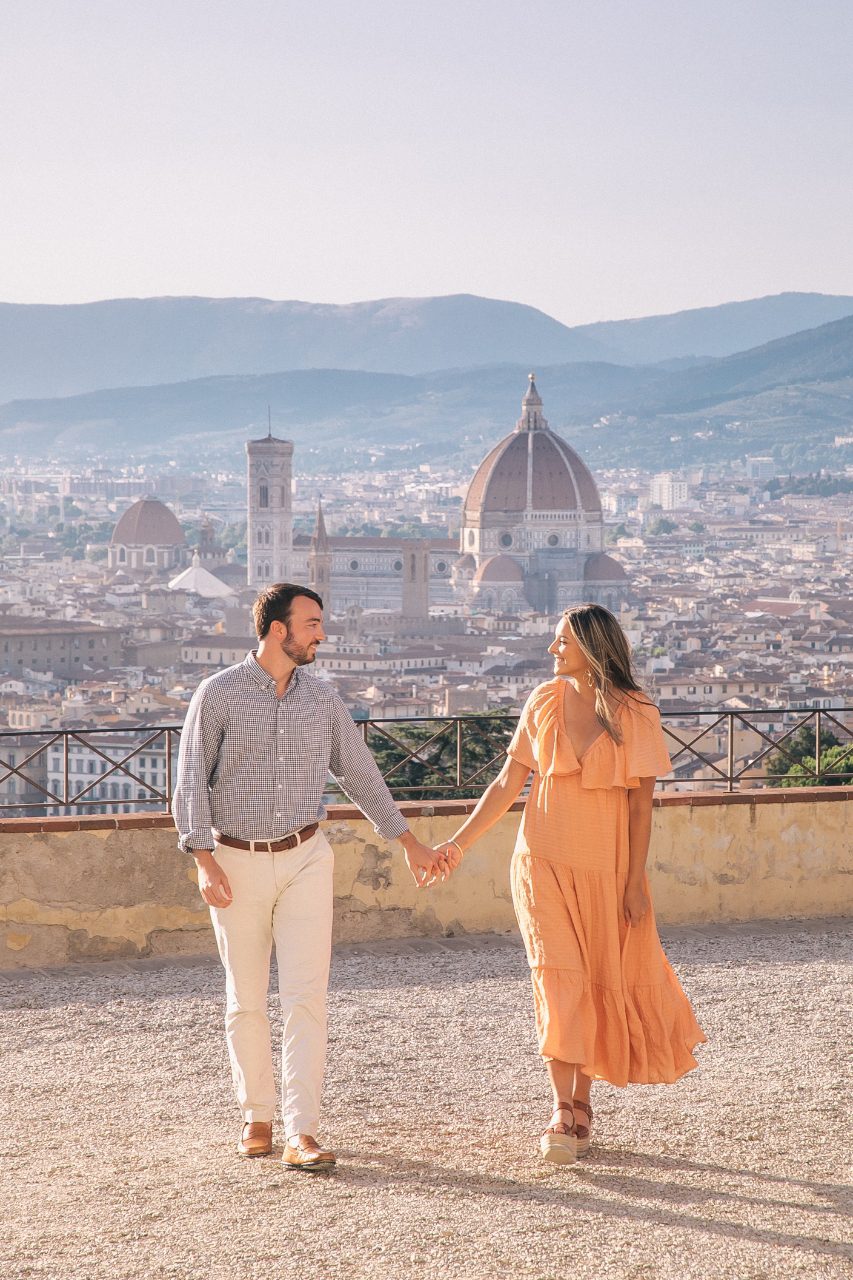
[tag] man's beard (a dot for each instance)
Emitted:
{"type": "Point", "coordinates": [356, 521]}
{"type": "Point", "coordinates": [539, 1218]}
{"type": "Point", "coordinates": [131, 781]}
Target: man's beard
{"type": "Point", "coordinates": [300, 654]}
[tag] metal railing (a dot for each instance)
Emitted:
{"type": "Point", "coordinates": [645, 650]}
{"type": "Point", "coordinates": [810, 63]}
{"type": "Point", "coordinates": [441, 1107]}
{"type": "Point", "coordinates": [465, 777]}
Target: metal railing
{"type": "Point", "coordinates": [67, 771]}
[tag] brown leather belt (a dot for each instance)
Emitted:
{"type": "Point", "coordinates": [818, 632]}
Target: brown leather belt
{"type": "Point", "coordinates": [269, 846]}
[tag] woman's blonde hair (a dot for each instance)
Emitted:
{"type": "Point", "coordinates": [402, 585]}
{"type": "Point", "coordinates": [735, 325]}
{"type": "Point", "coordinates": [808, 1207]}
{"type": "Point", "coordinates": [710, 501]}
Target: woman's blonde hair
{"type": "Point", "coordinates": [605, 647]}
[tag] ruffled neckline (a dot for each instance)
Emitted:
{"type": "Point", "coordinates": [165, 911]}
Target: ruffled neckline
{"type": "Point", "coordinates": [602, 764]}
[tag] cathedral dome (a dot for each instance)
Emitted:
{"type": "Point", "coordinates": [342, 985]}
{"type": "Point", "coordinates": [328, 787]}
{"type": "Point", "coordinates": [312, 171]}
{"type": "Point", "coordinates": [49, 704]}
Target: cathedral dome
{"type": "Point", "coordinates": [148, 522]}
{"type": "Point", "coordinates": [531, 470]}
{"type": "Point", "coordinates": [499, 569]}
{"type": "Point", "coordinates": [603, 568]}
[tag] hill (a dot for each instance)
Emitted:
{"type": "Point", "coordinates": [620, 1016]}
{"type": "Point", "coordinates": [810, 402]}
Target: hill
{"type": "Point", "coordinates": [790, 397]}
{"type": "Point", "coordinates": [66, 350]}
{"type": "Point", "coordinates": [50, 351]}
{"type": "Point", "coordinates": [714, 331]}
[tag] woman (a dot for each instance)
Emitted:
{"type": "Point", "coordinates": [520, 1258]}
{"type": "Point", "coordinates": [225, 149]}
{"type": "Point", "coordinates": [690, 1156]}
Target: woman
{"type": "Point", "coordinates": [608, 1005]}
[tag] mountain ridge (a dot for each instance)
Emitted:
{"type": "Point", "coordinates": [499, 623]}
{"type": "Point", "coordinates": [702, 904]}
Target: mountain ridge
{"type": "Point", "coordinates": [793, 394]}
{"type": "Point", "coordinates": [48, 351]}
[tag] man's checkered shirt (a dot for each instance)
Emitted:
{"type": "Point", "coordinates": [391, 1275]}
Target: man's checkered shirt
{"type": "Point", "coordinates": [255, 767]}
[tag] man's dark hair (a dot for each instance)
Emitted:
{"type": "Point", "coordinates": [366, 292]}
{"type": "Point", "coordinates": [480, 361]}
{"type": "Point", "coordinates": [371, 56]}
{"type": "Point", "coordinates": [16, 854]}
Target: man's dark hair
{"type": "Point", "coordinates": [274, 604]}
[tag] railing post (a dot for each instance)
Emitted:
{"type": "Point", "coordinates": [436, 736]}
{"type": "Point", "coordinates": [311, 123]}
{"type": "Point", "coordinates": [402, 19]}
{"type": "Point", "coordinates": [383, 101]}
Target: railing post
{"type": "Point", "coordinates": [65, 796]}
{"type": "Point", "coordinates": [817, 746]}
{"type": "Point", "coordinates": [730, 765]}
{"type": "Point", "coordinates": [459, 751]}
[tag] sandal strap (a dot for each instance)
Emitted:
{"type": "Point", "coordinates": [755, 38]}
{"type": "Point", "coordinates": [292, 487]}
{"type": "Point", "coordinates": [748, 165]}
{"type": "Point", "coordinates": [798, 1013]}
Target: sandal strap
{"type": "Point", "coordinates": [564, 1116]}
{"type": "Point", "coordinates": [583, 1106]}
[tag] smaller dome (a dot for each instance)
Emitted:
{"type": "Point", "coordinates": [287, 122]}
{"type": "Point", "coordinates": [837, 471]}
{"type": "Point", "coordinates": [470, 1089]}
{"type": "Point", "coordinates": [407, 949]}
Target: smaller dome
{"type": "Point", "coordinates": [499, 569]}
{"type": "Point", "coordinates": [148, 523]}
{"type": "Point", "coordinates": [603, 568]}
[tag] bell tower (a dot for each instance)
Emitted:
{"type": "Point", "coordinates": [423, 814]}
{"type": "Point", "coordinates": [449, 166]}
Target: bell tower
{"type": "Point", "coordinates": [269, 533]}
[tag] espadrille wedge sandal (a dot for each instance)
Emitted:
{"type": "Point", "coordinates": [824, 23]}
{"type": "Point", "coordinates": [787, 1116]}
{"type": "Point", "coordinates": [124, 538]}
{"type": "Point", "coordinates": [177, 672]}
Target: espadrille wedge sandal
{"type": "Point", "coordinates": [560, 1148]}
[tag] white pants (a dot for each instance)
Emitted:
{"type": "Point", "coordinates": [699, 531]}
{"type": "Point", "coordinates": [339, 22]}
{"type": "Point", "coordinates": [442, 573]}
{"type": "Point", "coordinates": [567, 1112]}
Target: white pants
{"type": "Point", "coordinates": [284, 898]}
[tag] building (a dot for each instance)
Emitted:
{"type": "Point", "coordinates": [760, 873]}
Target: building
{"type": "Point", "coordinates": [269, 531]}
{"type": "Point", "coordinates": [532, 535]}
{"type": "Point", "coordinates": [147, 541]}
{"type": "Point", "coordinates": [668, 491]}
{"type": "Point", "coordinates": [64, 650]}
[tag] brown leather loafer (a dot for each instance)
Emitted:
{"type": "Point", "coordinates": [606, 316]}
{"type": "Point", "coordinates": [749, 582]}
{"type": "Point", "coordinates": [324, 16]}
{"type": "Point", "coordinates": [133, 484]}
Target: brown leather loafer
{"type": "Point", "coordinates": [305, 1153]}
{"type": "Point", "coordinates": [256, 1138]}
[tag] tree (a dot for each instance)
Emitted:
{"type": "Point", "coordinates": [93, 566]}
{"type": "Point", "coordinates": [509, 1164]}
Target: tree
{"type": "Point", "coordinates": [794, 764]}
{"type": "Point", "coordinates": [663, 525]}
{"type": "Point", "coordinates": [433, 774]}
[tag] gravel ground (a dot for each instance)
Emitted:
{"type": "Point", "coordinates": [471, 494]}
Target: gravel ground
{"type": "Point", "coordinates": [119, 1128]}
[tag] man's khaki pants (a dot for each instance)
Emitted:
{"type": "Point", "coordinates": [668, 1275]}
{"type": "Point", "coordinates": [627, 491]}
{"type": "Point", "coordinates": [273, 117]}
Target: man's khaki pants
{"type": "Point", "coordinates": [285, 898]}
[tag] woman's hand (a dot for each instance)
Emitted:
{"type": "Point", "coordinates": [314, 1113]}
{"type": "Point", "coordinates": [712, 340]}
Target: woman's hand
{"type": "Point", "coordinates": [449, 854]}
{"type": "Point", "coordinates": [635, 903]}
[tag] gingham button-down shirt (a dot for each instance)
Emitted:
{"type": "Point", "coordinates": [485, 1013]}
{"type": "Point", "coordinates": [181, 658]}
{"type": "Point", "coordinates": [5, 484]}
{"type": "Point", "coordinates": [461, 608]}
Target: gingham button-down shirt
{"type": "Point", "coordinates": [255, 766]}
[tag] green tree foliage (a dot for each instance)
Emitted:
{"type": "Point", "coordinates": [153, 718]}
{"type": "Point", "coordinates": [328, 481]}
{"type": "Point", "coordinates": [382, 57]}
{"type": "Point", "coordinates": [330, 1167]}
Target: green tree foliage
{"type": "Point", "coordinates": [663, 526]}
{"type": "Point", "coordinates": [795, 764]}
{"type": "Point", "coordinates": [836, 770]}
{"type": "Point", "coordinates": [432, 774]}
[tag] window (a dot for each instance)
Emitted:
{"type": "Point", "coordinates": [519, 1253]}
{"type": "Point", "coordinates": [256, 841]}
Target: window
{"type": "Point", "coordinates": [441, 567]}
{"type": "Point", "coordinates": [553, 540]}
{"type": "Point", "coordinates": [122, 555]}
{"type": "Point", "coordinates": [150, 555]}
{"type": "Point", "coordinates": [505, 539]}
{"type": "Point", "coordinates": [353, 564]}
{"type": "Point", "coordinates": [398, 566]}
{"type": "Point", "coordinates": [263, 496]}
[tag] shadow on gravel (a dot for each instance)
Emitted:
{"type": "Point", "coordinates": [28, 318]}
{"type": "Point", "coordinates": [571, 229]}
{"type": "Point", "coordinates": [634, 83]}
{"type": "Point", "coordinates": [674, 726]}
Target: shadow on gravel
{"type": "Point", "coordinates": [397, 1174]}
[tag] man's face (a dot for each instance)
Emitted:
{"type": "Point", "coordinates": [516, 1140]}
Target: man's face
{"type": "Point", "coordinates": [300, 637]}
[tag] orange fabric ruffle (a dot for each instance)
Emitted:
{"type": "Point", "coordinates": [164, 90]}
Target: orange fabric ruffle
{"type": "Point", "coordinates": [606, 997]}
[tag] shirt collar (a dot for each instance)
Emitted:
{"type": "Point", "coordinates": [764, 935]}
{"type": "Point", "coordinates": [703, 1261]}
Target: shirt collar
{"type": "Point", "coordinates": [263, 678]}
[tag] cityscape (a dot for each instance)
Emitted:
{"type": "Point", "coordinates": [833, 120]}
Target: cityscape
{"type": "Point", "coordinates": [123, 586]}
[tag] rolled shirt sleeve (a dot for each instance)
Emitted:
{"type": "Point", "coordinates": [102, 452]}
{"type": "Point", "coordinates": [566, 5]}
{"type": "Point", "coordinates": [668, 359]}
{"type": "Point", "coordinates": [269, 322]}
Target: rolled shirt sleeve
{"type": "Point", "coordinates": [358, 773]}
{"type": "Point", "coordinates": [201, 738]}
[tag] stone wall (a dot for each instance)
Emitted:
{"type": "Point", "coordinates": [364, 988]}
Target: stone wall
{"type": "Point", "coordinates": [109, 887]}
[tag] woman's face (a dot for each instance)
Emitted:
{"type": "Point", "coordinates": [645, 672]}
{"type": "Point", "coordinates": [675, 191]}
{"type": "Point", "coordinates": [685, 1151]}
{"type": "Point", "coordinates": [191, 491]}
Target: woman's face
{"type": "Point", "coordinates": [568, 656]}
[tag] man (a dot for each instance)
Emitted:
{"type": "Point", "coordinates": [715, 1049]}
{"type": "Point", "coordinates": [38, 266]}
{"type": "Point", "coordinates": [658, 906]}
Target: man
{"type": "Point", "coordinates": [258, 743]}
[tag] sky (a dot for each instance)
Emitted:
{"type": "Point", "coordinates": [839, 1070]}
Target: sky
{"type": "Point", "coordinates": [596, 159]}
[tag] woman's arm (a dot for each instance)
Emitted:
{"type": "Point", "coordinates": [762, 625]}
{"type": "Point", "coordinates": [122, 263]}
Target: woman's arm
{"type": "Point", "coordinates": [636, 901]}
{"type": "Point", "coordinates": [498, 797]}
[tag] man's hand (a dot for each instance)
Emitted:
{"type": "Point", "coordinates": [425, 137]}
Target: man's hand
{"type": "Point", "coordinates": [421, 860]}
{"type": "Point", "coordinates": [212, 880]}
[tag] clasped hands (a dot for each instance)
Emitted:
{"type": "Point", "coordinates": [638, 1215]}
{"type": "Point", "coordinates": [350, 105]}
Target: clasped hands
{"type": "Point", "coordinates": [428, 865]}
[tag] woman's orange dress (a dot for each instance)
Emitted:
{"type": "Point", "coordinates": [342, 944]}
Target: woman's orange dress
{"type": "Point", "coordinates": [605, 994]}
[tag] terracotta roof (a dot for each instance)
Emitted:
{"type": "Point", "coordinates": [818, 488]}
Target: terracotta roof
{"type": "Point", "coordinates": [603, 568]}
{"type": "Point", "coordinates": [559, 480]}
{"type": "Point", "coordinates": [499, 569]}
{"type": "Point", "coordinates": [148, 522]}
